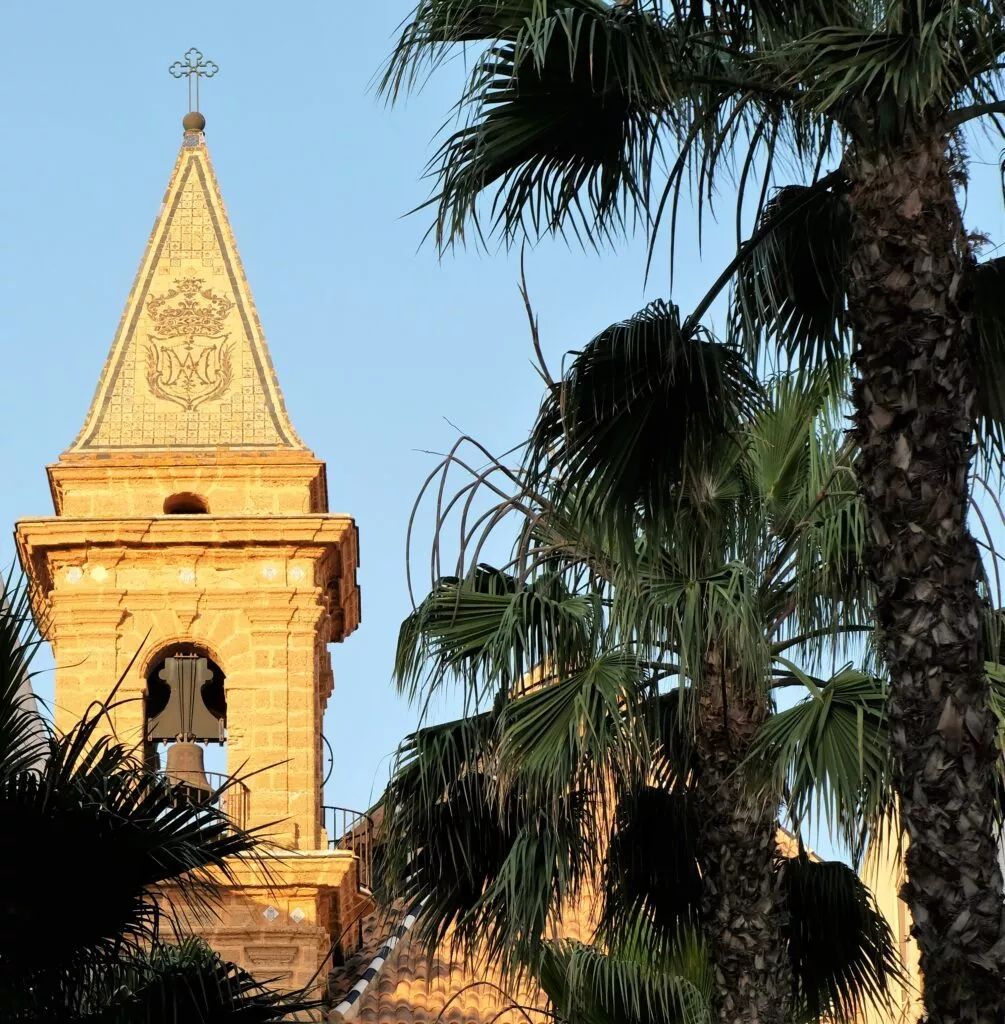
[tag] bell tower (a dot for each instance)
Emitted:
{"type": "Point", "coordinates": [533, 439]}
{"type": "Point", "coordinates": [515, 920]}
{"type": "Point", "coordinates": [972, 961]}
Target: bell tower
{"type": "Point", "coordinates": [193, 553]}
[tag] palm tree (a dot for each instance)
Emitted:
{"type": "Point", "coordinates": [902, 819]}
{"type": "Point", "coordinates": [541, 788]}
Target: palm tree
{"type": "Point", "coordinates": [90, 837]}
{"type": "Point", "coordinates": [834, 934]}
{"type": "Point", "coordinates": [590, 118]}
{"type": "Point", "coordinates": [493, 820]}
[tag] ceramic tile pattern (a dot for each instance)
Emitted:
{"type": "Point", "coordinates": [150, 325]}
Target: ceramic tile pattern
{"type": "Point", "coordinates": [189, 367]}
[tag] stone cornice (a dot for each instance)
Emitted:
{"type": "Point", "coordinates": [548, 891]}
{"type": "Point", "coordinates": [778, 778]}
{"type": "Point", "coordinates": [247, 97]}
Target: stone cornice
{"type": "Point", "coordinates": [322, 537]}
{"type": "Point", "coordinates": [303, 531]}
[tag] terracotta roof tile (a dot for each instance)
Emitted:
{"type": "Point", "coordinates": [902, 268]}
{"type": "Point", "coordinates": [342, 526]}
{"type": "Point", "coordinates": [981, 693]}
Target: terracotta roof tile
{"type": "Point", "coordinates": [413, 987]}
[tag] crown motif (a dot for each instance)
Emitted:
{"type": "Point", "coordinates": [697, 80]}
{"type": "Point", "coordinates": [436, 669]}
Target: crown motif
{"type": "Point", "coordinates": [198, 311]}
{"type": "Point", "coordinates": [184, 372]}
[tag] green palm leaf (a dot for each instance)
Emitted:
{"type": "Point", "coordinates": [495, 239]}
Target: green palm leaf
{"type": "Point", "coordinates": [575, 731]}
{"type": "Point", "coordinates": [800, 471]}
{"type": "Point", "coordinates": [686, 609]}
{"type": "Point", "coordinates": [633, 986]}
{"type": "Point", "coordinates": [652, 870]}
{"type": "Point", "coordinates": [790, 290]}
{"type": "Point", "coordinates": [104, 834]}
{"type": "Point", "coordinates": [187, 982]}
{"type": "Point", "coordinates": [988, 353]}
{"type": "Point", "coordinates": [561, 122]}
{"type": "Point", "coordinates": [830, 756]}
{"type": "Point", "coordinates": [490, 864]}
{"type": "Point", "coordinates": [843, 953]}
{"type": "Point", "coordinates": [489, 630]}
{"type": "Point", "coordinates": [23, 734]}
{"type": "Point", "coordinates": [441, 818]}
{"type": "Point", "coordinates": [435, 27]}
{"type": "Point", "coordinates": [638, 410]}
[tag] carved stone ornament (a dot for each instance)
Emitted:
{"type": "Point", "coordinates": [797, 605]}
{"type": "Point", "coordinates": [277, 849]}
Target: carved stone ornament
{"type": "Point", "coordinates": [197, 367]}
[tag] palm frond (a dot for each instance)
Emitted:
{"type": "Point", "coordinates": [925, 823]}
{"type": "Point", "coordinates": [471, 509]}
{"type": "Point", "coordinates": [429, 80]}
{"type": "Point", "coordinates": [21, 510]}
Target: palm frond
{"type": "Point", "coordinates": [817, 592]}
{"type": "Point", "coordinates": [188, 982]}
{"type": "Point", "coordinates": [790, 291]}
{"type": "Point", "coordinates": [23, 734]}
{"type": "Point", "coordinates": [436, 27]}
{"type": "Point", "coordinates": [441, 809]}
{"type": "Point", "coordinates": [491, 865]}
{"type": "Point", "coordinates": [639, 408]}
{"type": "Point", "coordinates": [843, 953]}
{"type": "Point", "coordinates": [987, 342]}
{"type": "Point", "coordinates": [791, 445]}
{"type": "Point", "coordinates": [829, 755]}
{"type": "Point", "coordinates": [105, 834]}
{"type": "Point", "coordinates": [632, 986]}
{"type": "Point", "coordinates": [561, 123]}
{"type": "Point", "coordinates": [688, 609]}
{"type": "Point", "coordinates": [491, 629]}
{"type": "Point", "coordinates": [902, 63]}
{"type": "Point", "coordinates": [577, 731]}
{"type": "Point", "coordinates": [651, 871]}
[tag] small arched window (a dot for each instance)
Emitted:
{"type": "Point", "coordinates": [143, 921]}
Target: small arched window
{"type": "Point", "coordinates": [185, 504]}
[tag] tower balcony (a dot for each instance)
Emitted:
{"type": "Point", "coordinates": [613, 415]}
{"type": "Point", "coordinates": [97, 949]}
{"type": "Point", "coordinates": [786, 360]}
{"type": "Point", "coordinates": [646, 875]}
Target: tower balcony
{"type": "Point", "coordinates": [230, 795]}
{"type": "Point", "coordinates": [353, 831]}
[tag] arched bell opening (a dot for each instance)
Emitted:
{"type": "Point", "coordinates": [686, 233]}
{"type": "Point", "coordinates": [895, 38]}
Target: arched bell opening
{"type": "Point", "coordinates": [186, 718]}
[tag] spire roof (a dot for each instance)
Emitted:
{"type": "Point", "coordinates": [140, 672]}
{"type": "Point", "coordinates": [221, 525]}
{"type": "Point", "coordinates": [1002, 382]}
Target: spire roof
{"type": "Point", "coordinates": [189, 368]}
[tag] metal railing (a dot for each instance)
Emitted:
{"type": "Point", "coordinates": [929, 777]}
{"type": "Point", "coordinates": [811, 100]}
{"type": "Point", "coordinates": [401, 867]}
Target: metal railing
{"type": "Point", "coordinates": [353, 831]}
{"type": "Point", "coordinates": [229, 794]}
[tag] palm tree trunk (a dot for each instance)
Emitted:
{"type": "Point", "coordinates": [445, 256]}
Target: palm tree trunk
{"type": "Point", "coordinates": [914, 400]}
{"type": "Point", "coordinates": [743, 910]}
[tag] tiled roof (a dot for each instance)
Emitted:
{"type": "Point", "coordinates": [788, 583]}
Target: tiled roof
{"type": "Point", "coordinates": [414, 987]}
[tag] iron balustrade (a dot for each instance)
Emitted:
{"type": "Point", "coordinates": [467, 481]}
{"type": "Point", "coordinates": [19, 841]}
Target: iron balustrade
{"type": "Point", "coordinates": [235, 798]}
{"type": "Point", "coordinates": [353, 831]}
{"type": "Point", "coordinates": [229, 794]}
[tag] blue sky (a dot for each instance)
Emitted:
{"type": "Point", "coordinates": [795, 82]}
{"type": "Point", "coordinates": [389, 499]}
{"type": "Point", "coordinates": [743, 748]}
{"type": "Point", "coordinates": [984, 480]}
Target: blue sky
{"type": "Point", "coordinates": [383, 350]}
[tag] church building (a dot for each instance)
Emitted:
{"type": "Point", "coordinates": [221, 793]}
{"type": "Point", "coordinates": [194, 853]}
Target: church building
{"type": "Point", "coordinates": [192, 554]}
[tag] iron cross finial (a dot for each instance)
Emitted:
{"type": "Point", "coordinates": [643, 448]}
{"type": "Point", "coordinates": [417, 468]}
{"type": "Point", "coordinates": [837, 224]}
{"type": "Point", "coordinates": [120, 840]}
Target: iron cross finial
{"type": "Point", "coordinates": [193, 67]}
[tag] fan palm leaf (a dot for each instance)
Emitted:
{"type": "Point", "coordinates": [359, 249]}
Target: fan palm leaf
{"type": "Point", "coordinates": [637, 411]}
{"type": "Point", "coordinates": [23, 736]}
{"type": "Point", "coordinates": [491, 628]}
{"type": "Point", "coordinates": [843, 952]}
{"type": "Point", "coordinates": [489, 863]}
{"type": "Point", "coordinates": [589, 986]}
{"type": "Point", "coordinates": [652, 870]}
{"type": "Point", "coordinates": [830, 755]}
{"type": "Point", "coordinates": [188, 981]}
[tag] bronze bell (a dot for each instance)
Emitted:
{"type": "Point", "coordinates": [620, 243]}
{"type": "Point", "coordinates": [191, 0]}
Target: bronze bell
{"type": "Point", "coordinates": [186, 715]}
{"type": "Point", "coordinates": [187, 770]}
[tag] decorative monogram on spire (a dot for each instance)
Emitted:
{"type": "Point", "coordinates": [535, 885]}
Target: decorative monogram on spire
{"type": "Point", "coordinates": [184, 371]}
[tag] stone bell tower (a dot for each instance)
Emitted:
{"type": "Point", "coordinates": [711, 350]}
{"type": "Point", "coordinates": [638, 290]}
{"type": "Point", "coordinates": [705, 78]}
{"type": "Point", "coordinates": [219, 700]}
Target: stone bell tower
{"type": "Point", "coordinates": [192, 535]}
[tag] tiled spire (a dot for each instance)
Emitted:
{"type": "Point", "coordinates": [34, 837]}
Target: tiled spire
{"type": "Point", "coordinates": [189, 368]}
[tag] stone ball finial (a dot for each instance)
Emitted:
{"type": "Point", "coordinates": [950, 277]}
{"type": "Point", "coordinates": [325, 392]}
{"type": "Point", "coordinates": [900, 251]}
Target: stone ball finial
{"type": "Point", "coordinates": [193, 121]}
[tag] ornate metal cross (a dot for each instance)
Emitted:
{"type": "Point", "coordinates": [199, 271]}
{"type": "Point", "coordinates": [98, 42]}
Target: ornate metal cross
{"type": "Point", "coordinates": [193, 67]}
